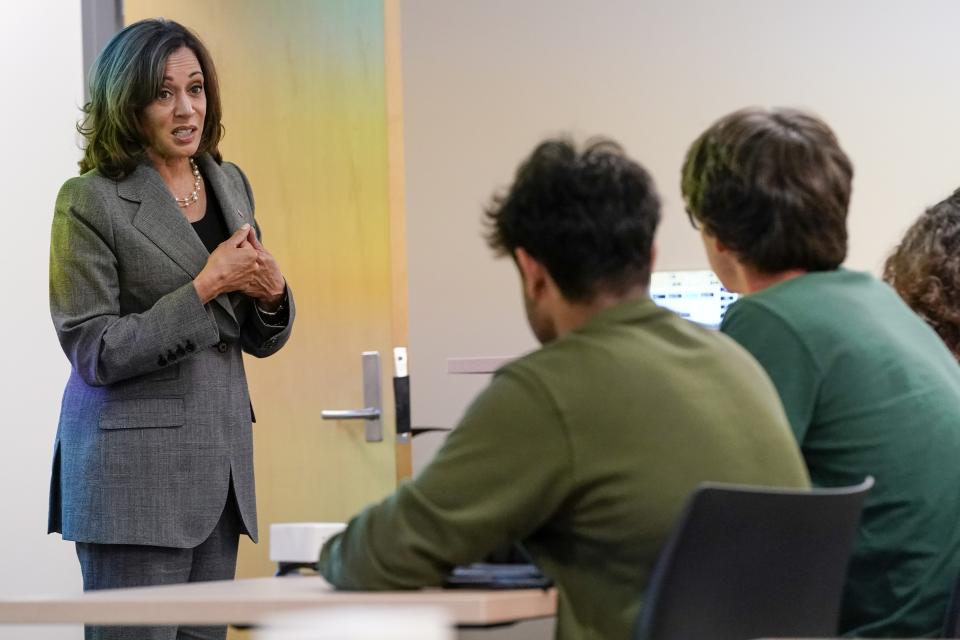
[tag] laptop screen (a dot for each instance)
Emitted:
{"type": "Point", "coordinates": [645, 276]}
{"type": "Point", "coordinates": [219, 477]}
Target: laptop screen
{"type": "Point", "coordinates": [697, 296]}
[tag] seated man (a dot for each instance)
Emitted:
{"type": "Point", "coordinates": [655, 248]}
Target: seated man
{"type": "Point", "coordinates": [586, 449]}
{"type": "Point", "coordinates": [868, 387]}
{"type": "Point", "coordinates": [925, 269]}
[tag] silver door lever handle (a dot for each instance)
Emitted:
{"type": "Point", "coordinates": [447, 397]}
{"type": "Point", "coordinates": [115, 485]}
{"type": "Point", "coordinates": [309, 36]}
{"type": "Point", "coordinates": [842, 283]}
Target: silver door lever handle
{"type": "Point", "coordinates": [350, 414]}
{"type": "Point", "coordinates": [371, 413]}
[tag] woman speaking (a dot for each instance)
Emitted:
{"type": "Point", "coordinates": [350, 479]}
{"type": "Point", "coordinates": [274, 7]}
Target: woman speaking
{"type": "Point", "coordinates": [158, 283]}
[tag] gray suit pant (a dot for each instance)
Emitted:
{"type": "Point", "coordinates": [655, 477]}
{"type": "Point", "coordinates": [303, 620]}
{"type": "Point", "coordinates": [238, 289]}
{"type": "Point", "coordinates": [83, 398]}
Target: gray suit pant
{"type": "Point", "coordinates": [110, 566]}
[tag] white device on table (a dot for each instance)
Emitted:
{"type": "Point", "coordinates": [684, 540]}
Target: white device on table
{"type": "Point", "coordinates": [300, 542]}
{"type": "Point", "coordinates": [697, 295]}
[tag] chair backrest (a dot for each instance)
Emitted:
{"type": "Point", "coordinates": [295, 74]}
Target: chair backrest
{"type": "Point", "coordinates": [748, 562]}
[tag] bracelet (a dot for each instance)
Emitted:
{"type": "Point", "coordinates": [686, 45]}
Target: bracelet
{"type": "Point", "coordinates": [280, 308]}
{"type": "Point", "coordinates": [269, 314]}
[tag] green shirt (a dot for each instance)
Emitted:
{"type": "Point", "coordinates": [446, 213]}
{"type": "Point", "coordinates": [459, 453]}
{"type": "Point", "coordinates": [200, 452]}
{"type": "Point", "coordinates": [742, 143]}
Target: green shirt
{"type": "Point", "coordinates": [586, 450]}
{"type": "Point", "coordinates": [870, 390]}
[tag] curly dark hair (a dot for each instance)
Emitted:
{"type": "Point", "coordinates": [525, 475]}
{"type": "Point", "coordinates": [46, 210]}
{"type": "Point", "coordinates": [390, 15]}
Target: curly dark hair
{"type": "Point", "coordinates": [588, 216]}
{"type": "Point", "coordinates": [773, 186]}
{"type": "Point", "coordinates": [125, 78]}
{"type": "Point", "coordinates": [925, 269]}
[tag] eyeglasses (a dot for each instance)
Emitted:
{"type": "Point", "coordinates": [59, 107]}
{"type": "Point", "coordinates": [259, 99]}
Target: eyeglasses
{"type": "Point", "coordinates": [693, 220]}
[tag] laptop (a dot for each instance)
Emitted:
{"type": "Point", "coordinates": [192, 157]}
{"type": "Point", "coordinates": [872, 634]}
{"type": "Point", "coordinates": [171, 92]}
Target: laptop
{"type": "Point", "coordinates": [696, 295]}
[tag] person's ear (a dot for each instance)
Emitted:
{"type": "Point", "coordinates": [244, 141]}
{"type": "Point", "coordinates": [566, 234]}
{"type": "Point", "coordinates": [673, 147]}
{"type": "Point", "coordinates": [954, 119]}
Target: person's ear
{"type": "Point", "coordinates": [715, 243]}
{"type": "Point", "coordinates": [532, 273]}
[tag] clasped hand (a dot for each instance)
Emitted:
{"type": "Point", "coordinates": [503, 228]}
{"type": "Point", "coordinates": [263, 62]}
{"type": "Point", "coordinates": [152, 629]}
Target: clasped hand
{"type": "Point", "coordinates": [241, 263]}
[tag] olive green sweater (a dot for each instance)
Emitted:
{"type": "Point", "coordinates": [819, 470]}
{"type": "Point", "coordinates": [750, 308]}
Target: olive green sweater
{"type": "Point", "coordinates": [586, 450]}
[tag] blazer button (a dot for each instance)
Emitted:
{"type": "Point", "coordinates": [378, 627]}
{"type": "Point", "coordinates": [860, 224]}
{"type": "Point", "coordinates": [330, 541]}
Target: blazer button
{"type": "Point", "coordinates": [161, 361]}
{"type": "Point", "coordinates": [180, 351]}
{"type": "Point", "coordinates": [190, 347]}
{"type": "Point", "coordinates": [222, 347]}
{"type": "Point", "coordinates": [171, 356]}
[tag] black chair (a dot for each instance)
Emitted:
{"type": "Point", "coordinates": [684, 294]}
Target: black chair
{"type": "Point", "coordinates": [753, 562]}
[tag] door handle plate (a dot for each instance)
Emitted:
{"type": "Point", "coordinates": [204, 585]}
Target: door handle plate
{"type": "Point", "coordinates": [372, 411]}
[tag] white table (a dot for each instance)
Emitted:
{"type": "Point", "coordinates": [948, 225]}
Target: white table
{"type": "Point", "coordinates": [251, 601]}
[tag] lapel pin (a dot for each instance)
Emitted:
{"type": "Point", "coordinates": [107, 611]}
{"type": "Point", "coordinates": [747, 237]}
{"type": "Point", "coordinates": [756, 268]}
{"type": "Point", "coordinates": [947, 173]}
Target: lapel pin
{"type": "Point", "coordinates": [240, 213]}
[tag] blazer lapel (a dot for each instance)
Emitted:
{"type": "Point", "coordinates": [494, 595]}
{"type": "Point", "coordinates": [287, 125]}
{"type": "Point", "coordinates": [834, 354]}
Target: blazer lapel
{"type": "Point", "coordinates": [233, 207]}
{"type": "Point", "coordinates": [236, 212]}
{"type": "Point", "coordinates": [160, 220]}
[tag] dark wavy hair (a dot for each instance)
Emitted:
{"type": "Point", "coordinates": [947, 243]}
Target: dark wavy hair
{"type": "Point", "coordinates": [588, 216]}
{"type": "Point", "coordinates": [125, 78]}
{"type": "Point", "coordinates": [925, 269]}
{"type": "Point", "coordinates": [773, 186]}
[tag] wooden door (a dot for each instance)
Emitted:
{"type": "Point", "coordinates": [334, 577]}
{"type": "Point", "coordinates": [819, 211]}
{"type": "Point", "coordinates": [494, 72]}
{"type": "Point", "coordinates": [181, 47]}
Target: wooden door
{"type": "Point", "coordinates": [311, 105]}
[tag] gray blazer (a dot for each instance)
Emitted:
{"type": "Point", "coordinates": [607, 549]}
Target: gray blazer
{"type": "Point", "coordinates": [156, 416]}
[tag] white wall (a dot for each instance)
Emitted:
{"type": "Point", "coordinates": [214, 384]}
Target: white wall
{"type": "Point", "coordinates": [41, 76]}
{"type": "Point", "coordinates": [485, 80]}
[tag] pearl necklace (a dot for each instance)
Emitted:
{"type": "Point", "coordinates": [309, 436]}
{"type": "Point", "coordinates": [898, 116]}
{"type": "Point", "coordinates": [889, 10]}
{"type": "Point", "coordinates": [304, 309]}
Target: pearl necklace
{"type": "Point", "coordinates": [193, 197]}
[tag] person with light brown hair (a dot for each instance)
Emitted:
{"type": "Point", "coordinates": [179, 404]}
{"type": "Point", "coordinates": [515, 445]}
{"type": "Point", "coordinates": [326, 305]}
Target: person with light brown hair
{"type": "Point", "coordinates": [925, 269]}
{"type": "Point", "coordinates": [867, 387]}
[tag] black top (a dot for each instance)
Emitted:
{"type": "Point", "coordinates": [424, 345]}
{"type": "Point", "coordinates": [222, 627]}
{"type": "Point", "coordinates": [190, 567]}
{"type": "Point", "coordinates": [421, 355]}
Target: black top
{"type": "Point", "coordinates": [211, 229]}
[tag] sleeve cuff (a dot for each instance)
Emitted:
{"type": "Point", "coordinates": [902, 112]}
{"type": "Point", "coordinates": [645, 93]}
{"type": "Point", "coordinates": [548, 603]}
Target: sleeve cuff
{"type": "Point", "coordinates": [275, 319]}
